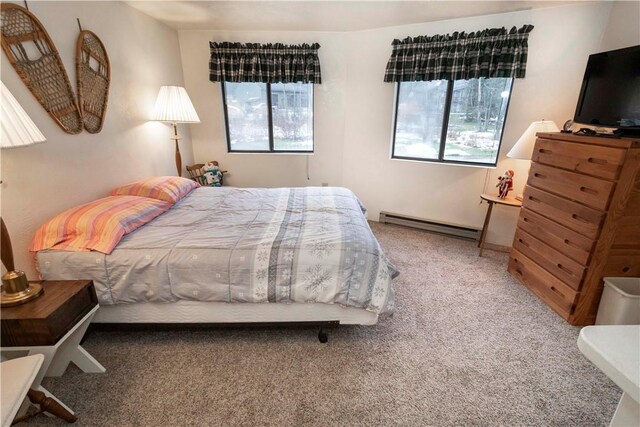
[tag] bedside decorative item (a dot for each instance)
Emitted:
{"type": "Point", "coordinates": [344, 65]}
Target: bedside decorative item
{"type": "Point", "coordinates": [16, 289]}
{"type": "Point", "coordinates": [43, 73]}
{"type": "Point", "coordinates": [566, 128]}
{"type": "Point", "coordinates": [18, 130]}
{"type": "Point", "coordinates": [93, 80]}
{"type": "Point", "coordinates": [208, 173]}
{"type": "Point", "coordinates": [174, 106]}
{"type": "Point", "coordinates": [523, 148]}
{"type": "Point", "coordinates": [212, 174]}
{"type": "Point", "coordinates": [505, 184]}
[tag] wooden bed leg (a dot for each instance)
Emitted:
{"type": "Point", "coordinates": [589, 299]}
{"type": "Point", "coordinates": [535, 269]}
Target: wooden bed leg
{"type": "Point", "coordinates": [322, 336]}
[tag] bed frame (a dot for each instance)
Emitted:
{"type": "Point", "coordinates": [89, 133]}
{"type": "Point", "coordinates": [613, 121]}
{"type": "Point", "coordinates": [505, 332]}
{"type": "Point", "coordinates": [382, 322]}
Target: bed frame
{"type": "Point", "coordinates": [224, 314]}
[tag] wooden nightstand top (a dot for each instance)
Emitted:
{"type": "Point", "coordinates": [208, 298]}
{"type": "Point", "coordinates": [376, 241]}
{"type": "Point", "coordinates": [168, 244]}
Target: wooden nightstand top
{"type": "Point", "coordinates": [47, 318]}
{"type": "Point", "coordinates": [56, 293]}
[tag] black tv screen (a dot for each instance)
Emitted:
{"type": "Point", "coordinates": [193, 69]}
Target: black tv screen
{"type": "Point", "coordinates": [610, 94]}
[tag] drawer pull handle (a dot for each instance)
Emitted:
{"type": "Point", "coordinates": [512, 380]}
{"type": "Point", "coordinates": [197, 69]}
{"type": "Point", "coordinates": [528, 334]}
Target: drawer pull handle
{"type": "Point", "coordinates": [589, 191]}
{"type": "Point", "coordinates": [597, 161]}
{"type": "Point", "coordinates": [553, 288]}
{"type": "Point", "coordinates": [524, 243]}
{"type": "Point", "coordinates": [533, 199]}
{"type": "Point", "coordinates": [543, 151]}
{"type": "Point", "coordinates": [525, 219]}
{"type": "Point", "coordinates": [570, 243]}
{"type": "Point", "coordinates": [579, 218]}
{"type": "Point", "coordinates": [539, 175]}
{"type": "Point", "coordinates": [626, 269]}
{"type": "Point", "coordinates": [563, 268]}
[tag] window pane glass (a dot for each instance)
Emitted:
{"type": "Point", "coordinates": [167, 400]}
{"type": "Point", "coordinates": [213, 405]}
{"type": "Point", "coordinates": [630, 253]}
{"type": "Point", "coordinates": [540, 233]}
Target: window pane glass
{"type": "Point", "coordinates": [247, 116]}
{"type": "Point", "coordinates": [478, 108]}
{"type": "Point", "coordinates": [292, 109]}
{"type": "Point", "coordinates": [419, 119]}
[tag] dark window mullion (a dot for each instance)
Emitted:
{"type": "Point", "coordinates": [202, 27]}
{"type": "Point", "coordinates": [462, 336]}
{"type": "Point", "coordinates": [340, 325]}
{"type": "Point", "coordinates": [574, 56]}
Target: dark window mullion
{"type": "Point", "coordinates": [395, 121]}
{"type": "Point", "coordinates": [226, 116]}
{"type": "Point", "coordinates": [445, 120]}
{"type": "Point", "coordinates": [270, 115]}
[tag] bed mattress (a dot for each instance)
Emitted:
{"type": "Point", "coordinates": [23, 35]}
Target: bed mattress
{"type": "Point", "coordinates": [242, 245]}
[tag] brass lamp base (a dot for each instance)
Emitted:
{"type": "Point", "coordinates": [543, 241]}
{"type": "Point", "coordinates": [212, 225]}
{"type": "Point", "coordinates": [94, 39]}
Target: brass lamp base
{"type": "Point", "coordinates": [17, 290]}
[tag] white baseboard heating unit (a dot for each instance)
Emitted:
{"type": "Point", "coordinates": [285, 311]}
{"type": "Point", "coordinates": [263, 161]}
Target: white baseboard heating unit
{"type": "Point", "coordinates": [453, 230]}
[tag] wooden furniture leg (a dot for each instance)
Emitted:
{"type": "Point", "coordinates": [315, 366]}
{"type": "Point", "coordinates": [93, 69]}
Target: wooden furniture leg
{"type": "Point", "coordinates": [47, 404]}
{"type": "Point", "coordinates": [485, 227]}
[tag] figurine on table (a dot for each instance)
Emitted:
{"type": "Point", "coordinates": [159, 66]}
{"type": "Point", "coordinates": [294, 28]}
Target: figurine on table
{"type": "Point", "coordinates": [505, 184]}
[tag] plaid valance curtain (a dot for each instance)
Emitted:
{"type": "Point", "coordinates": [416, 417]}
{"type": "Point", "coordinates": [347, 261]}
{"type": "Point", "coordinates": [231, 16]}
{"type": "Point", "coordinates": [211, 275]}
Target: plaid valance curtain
{"type": "Point", "coordinates": [493, 52]}
{"type": "Point", "coordinates": [264, 63]}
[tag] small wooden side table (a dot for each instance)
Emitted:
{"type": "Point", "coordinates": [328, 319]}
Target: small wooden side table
{"type": "Point", "coordinates": [52, 325]}
{"type": "Point", "coordinates": [493, 199]}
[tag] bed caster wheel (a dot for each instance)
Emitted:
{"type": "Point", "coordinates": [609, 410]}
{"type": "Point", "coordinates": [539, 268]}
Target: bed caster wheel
{"type": "Point", "coordinates": [323, 337]}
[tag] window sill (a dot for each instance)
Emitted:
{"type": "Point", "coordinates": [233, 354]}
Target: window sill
{"type": "Point", "coordinates": [277, 153]}
{"type": "Point", "coordinates": [438, 162]}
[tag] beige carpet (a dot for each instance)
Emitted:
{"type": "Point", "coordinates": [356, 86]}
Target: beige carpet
{"type": "Point", "coordinates": [468, 345]}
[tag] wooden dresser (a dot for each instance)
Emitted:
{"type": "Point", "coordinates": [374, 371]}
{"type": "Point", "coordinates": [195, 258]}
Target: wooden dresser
{"type": "Point", "coordinates": [580, 221]}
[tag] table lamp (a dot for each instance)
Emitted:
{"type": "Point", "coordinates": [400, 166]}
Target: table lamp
{"type": "Point", "coordinates": [523, 148]}
{"type": "Point", "coordinates": [174, 106]}
{"type": "Point", "coordinates": [18, 130]}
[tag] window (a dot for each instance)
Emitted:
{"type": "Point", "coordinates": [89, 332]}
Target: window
{"type": "Point", "coordinates": [457, 121]}
{"type": "Point", "coordinates": [268, 117]}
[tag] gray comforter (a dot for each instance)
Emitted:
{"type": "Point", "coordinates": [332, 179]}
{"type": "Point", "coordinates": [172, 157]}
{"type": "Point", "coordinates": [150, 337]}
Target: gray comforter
{"type": "Point", "coordinates": [252, 245]}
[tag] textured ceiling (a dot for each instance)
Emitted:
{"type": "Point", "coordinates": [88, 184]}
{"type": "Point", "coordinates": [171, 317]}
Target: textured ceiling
{"type": "Point", "coordinates": [319, 15]}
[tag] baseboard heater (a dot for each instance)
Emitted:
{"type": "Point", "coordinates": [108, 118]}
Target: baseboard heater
{"type": "Point", "coordinates": [448, 229]}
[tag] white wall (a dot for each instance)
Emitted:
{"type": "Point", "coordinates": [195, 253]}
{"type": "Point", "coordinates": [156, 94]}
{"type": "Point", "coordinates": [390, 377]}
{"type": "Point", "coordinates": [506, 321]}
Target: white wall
{"type": "Point", "coordinates": [559, 45]}
{"type": "Point", "coordinates": [354, 109]}
{"type": "Point", "coordinates": [43, 180]}
{"type": "Point", "coordinates": [269, 170]}
{"type": "Point", "coordinates": [623, 29]}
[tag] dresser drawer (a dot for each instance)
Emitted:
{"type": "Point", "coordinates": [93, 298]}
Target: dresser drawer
{"type": "Point", "coordinates": [575, 216]}
{"type": "Point", "coordinates": [568, 242]}
{"type": "Point", "coordinates": [603, 162]}
{"type": "Point", "coordinates": [547, 287]}
{"type": "Point", "coordinates": [622, 263]}
{"type": "Point", "coordinates": [561, 266]}
{"type": "Point", "coordinates": [594, 192]}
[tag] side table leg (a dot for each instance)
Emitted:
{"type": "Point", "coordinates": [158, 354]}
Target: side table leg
{"type": "Point", "coordinates": [86, 362]}
{"type": "Point", "coordinates": [627, 413]}
{"type": "Point", "coordinates": [485, 227]}
{"type": "Point", "coordinates": [69, 350]}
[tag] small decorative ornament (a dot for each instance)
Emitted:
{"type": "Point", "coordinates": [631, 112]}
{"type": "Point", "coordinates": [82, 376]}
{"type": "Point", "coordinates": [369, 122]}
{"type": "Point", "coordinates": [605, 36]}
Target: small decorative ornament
{"type": "Point", "coordinates": [566, 128]}
{"type": "Point", "coordinates": [505, 184]}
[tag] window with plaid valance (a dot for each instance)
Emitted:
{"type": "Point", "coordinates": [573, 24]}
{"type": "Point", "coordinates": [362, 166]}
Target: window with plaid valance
{"type": "Point", "coordinates": [489, 53]}
{"type": "Point", "coordinates": [264, 63]}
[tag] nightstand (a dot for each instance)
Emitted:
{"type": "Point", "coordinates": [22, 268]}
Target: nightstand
{"type": "Point", "coordinates": [493, 199]}
{"type": "Point", "coordinates": [53, 325]}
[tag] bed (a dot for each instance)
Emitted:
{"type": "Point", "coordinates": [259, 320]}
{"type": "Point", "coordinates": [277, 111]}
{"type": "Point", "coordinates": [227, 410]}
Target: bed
{"type": "Point", "coordinates": [240, 255]}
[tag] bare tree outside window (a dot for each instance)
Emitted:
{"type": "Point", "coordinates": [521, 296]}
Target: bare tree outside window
{"type": "Point", "coordinates": [262, 117]}
{"type": "Point", "coordinates": [292, 109]}
{"type": "Point", "coordinates": [472, 111]}
{"type": "Point", "coordinates": [476, 119]}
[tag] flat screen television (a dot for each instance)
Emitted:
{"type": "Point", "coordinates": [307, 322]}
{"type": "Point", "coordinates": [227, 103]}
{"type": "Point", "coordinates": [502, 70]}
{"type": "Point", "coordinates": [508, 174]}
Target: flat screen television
{"type": "Point", "coordinates": [610, 94]}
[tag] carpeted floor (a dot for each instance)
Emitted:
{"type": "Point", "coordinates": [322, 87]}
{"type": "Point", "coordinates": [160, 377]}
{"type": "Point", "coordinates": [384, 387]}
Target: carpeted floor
{"type": "Point", "coordinates": [468, 345]}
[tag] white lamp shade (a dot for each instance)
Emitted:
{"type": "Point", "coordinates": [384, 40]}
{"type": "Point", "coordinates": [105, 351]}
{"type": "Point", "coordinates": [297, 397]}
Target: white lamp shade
{"type": "Point", "coordinates": [18, 129]}
{"type": "Point", "coordinates": [173, 105]}
{"type": "Point", "coordinates": [524, 147]}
